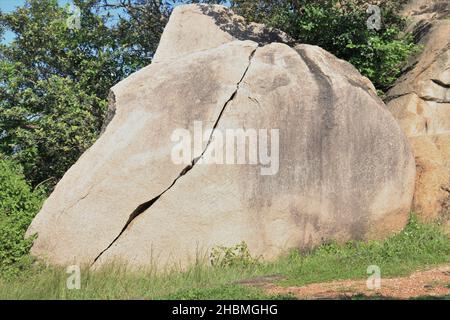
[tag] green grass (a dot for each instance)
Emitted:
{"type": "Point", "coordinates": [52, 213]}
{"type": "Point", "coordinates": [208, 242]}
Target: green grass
{"type": "Point", "coordinates": [418, 246]}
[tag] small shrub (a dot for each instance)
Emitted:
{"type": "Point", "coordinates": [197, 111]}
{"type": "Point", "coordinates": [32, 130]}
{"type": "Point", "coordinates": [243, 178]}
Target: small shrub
{"type": "Point", "coordinates": [18, 205]}
{"type": "Point", "coordinates": [238, 255]}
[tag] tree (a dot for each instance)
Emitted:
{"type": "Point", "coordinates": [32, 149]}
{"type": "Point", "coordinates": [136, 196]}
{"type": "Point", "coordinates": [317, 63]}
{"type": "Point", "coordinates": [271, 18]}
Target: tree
{"type": "Point", "coordinates": [340, 28]}
{"type": "Point", "coordinates": [55, 81]}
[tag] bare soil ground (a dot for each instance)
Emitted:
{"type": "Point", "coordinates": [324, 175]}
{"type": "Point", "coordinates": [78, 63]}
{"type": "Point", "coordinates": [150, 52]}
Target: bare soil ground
{"type": "Point", "coordinates": [427, 284]}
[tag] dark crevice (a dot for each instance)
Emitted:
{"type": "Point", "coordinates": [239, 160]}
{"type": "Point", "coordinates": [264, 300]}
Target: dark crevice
{"type": "Point", "coordinates": [146, 205]}
{"type": "Point", "coordinates": [143, 207]}
{"type": "Point", "coordinates": [393, 97]}
{"type": "Point", "coordinates": [422, 28]}
{"type": "Point", "coordinates": [446, 189]}
{"type": "Point", "coordinates": [111, 111]}
{"type": "Point", "coordinates": [441, 84]}
{"type": "Point", "coordinates": [424, 98]}
{"type": "Point", "coordinates": [434, 99]}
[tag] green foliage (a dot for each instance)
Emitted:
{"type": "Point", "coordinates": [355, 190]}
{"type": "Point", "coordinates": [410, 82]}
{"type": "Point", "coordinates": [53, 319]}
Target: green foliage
{"type": "Point", "coordinates": [55, 80]}
{"type": "Point", "coordinates": [238, 255]}
{"type": "Point", "coordinates": [340, 27]}
{"type": "Point", "coordinates": [18, 206]}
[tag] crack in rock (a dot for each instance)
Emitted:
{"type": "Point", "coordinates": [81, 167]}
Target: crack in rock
{"type": "Point", "coordinates": [75, 203]}
{"type": "Point", "coordinates": [441, 84]}
{"type": "Point", "coordinates": [146, 205]}
{"type": "Point", "coordinates": [434, 99]}
{"type": "Point", "coordinates": [422, 97]}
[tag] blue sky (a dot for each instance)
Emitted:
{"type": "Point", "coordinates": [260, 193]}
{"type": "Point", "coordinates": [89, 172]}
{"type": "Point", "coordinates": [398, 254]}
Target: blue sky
{"type": "Point", "coordinates": [8, 5]}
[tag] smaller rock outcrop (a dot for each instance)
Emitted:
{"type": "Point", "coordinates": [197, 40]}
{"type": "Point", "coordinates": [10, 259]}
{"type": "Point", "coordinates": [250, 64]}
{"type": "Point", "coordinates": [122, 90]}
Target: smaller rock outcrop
{"type": "Point", "coordinates": [420, 100]}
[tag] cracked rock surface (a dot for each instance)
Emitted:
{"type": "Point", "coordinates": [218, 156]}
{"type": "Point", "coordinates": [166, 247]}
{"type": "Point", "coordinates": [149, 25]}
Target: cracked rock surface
{"type": "Point", "coordinates": [130, 163]}
{"type": "Point", "coordinates": [345, 167]}
{"type": "Point", "coordinates": [420, 100]}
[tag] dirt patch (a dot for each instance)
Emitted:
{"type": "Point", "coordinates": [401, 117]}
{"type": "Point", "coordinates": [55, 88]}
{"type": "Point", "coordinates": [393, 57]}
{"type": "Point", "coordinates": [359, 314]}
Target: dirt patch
{"type": "Point", "coordinates": [430, 283]}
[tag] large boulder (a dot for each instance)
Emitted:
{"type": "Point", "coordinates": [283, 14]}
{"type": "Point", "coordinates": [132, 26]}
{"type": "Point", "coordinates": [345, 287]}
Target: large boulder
{"type": "Point", "coordinates": [340, 168]}
{"type": "Point", "coordinates": [420, 100]}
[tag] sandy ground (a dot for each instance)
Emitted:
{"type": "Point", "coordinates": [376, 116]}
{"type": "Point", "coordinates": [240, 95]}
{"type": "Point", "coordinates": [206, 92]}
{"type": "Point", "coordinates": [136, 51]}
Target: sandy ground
{"type": "Point", "coordinates": [430, 283]}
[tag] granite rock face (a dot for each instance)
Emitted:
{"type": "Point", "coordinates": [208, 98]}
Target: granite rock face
{"type": "Point", "coordinates": [420, 101]}
{"type": "Point", "coordinates": [340, 167]}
